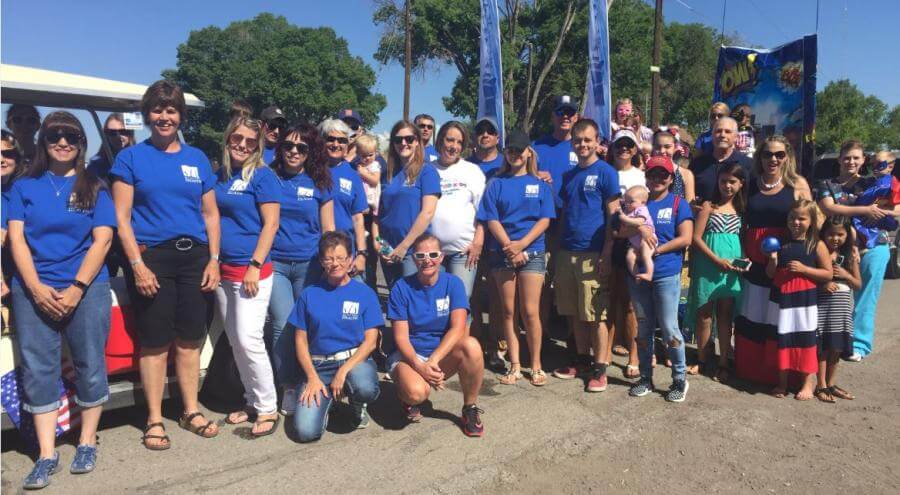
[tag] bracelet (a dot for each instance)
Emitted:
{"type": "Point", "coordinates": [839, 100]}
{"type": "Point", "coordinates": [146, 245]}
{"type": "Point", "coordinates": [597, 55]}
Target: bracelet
{"type": "Point", "coordinates": [136, 262]}
{"type": "Point", "coordinates": [214, 257]}
{"type": "Point", "coordinates": [79, 284]}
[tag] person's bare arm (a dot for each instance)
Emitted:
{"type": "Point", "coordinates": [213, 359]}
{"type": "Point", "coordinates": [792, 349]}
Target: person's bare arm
{"type": "Point", "coordinates": [690, 191]}
{"type": "Point", "coordinates": [685, 232]}
{"type": "Point", "coordinates": [210, 211]}
{"type": "Point", "coordinates": [423, 220]}
{"type": "Point", "coordinates": [315, 389]}
{"type": "Point", "coordinates": [372, 179]}
{"type": "Point", "coordinates": [144, 279]}
{"type": "Point", "coordinates": [370, 340]}
{"type": "Point", "coordinates": [90, 267]}
{"type": "Point", "coordinates": [269, 212]}
{"type": "Point", "coordinates": [46, 297]}
{"type": "Point", "coordinates": [326, 216]}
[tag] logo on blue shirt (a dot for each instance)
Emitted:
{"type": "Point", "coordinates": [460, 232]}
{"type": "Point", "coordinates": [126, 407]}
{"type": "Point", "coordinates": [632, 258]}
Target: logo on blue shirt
{"type": "Point", "coordinates": [191, 174]}
{"type": "Point", "coordinates": [350, 311]}
{"type": "Point", "coordinates": [237, 187]}
{"type": "Point", "coordinates": [532, 190]}
{"type": "Point", "coordinates": [590, 182]}
{"type": "Point", "coordinates": [305, 193]}
{"type": "Point", "coordinates": [664, 214]}
{"type": "Point", "coordinates": [573, 159]}
{"type": "Point", "coordinates": [72, 208]}
{"type": "Point", "coordinates": [442, 306]}
{"type": "Point", "coordinates": [346, 186]}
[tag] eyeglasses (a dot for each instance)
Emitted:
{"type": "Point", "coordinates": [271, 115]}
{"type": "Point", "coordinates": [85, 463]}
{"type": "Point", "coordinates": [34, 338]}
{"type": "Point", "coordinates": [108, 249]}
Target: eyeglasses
{"type": "Point", "coordinates": [403, 139]}
{"type": "Point", "coordinates": [626, 144]}
{"type": "Point", "coordinates": [338, 260]}
{"type": "Point", "coordinates": [336, 139]}
{"type": "Point", "coordinates": [237, 139]}
{"type": "Point", "coordinates": [430, 255]}
{"type": "Point", "coordinates": [716, 116]}
{"type": "Point", "coordinates": [288, 146]}
{"type": "Point", "coordinates": [118, 132]}
{"type": "Point", "coordinates": [11, 153]}
{"type": "Point", "coordinates": [485, 129]}
{"type": "Point", "coordinates": [427, 127]}
{"type": "Point", "coordinates": [766, 154]}
{"type": "Point", "coordinates": [20, 119]}
{"type": "Point", "coordinates": [565, 112]}
{"type": "Point", "coordinates": [54, 137]}
{"type": "Point", "coordinates": [352, 123]}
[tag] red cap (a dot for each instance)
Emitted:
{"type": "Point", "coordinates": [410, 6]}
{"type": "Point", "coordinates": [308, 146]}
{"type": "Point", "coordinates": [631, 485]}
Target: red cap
{"type": "Point", "coordinates": [661, 161]}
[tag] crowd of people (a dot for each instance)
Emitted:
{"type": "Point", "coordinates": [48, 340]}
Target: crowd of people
{"type": "Point", "coordinates": [292, 223]}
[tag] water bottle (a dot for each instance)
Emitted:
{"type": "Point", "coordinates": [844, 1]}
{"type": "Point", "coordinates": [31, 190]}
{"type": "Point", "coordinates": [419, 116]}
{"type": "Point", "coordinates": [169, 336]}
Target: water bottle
{"type": "Point", "coordinates": [385, 249]}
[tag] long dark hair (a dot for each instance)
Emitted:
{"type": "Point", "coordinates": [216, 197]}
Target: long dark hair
{"type": "Point", "coordinates": [843, 222]}
{"type": "Point", "coordinates": [86, 184]}
{"type": "Point", "coordinates": [395, 163]}
{"type": "Point", "coordinates": [21, 164]}
{"type": "Point", "coordinates": [316, 163]}
{"type": "Point", "coordinates": [740, 199]}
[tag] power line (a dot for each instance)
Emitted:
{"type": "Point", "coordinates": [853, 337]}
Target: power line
{"type": "Point", "coordinates": [768, 19]}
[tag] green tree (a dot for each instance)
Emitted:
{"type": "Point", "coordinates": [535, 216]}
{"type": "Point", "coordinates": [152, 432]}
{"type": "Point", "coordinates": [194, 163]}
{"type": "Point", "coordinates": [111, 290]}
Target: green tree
{"type": "Point", "coordinates": [308, 72]}
{"type": "Point", "coordinates": [893, 128]}
{"type": "Point", "coordinates": [844, 112]}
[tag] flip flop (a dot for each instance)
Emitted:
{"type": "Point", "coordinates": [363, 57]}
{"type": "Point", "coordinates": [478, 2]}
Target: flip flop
{"type": "Point", "coordinates": [271, 430]}
{"type": "Point", "coordinates": [249, 417]}
{"type": "Point", "coordinates": [841, 393]}
{"type": "Point", "coordinates": [619, 350]}
{"type": "Point", "coordinates": [824, 395]}
{"type": "Point", "coordinates": [632, 371]}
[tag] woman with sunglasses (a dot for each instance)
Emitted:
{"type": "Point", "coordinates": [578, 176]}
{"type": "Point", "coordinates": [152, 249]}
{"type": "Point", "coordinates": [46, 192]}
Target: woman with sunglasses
{"type": "Point", "coordinates": [11, 170]}
{"type": "Point", "coordinates": [117, 137]}
{"type": "Point", "coordinates": [169, 227]}
{"type": "Point", "coordinates": [307, 211]}
{"type": "Point", "coordinates": [771, 192]}
{"type": "Point", "coordinates": [24, 122]}
{"type": "Point", "coordinates": [428, 311]}
{"type": "Point", "coordinates": [61, 223]}
{"type": "Point", "coordinates": [335, 326]}
{"type": "Point", "coordinates": [247, 195]}
{"type": "Point", "coordinates": [517, 207]}
{"type": "Point", "coordinates": [408, 201]}
{"type": "Point", "coordinates": [349, 194]}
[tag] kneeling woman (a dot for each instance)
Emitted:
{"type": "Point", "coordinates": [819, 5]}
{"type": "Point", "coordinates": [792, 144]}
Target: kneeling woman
{"type": "Point", "coordinates": [336, 326]}
{"type": "Point", "coordinates": [428, 312]}
{"type": "Point", "coordinates": [61, 222]}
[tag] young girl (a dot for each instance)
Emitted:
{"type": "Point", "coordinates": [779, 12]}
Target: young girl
{"type": "Point", "coordinates": [715, 279]}
{"type": "Point", "coordinates": [836, 306]}
{"type": "Point", "coordinates": [795, 269]}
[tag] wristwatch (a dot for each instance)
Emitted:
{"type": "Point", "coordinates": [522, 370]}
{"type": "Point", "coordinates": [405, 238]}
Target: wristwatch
{"type": "Point", "coordinates": [255, 264]}
{"type": "Point", "coordinates": [81, 285]}
{"type": "Point", "coordinates": [364, 252]}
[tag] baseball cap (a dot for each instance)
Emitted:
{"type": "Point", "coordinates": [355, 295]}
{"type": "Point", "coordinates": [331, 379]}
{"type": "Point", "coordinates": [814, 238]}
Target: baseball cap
{"type": "Point", "coordinates": [272, 113]}
{"type": "Point", "coordinates": [624, 133]}
{"type": "Point", "coordinates": [349, 113]}
{"type": "Point", "coordinates": [518, 140]}
{"type": "Point", "coordinates": [565, 101]}
{"type": "Point", "coordinates": [661, 161]}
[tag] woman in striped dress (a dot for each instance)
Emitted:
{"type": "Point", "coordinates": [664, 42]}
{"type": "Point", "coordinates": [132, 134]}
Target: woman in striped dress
{"type": "Point", "coordinates": [795, 269]}
{"type": "Point", "coordinates": [835, 303]}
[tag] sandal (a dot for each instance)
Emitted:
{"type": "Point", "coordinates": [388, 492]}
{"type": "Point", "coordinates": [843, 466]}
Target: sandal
{"type": "Point", "coordinates": [698, 368]}
{"type": "Point", "coordinates": [185, 423]}
{"type": "Point", "coordinates": [514, 373]}
{"type": "Point", "coordinates": [841, 393]}
{"type": "Point", "coordinates": [271, 430]}
{"type": "Point", "coordinates": [723, 374]}
{"type": "Point", "coordinates": [163, 445]}
{"type": "Point", "coordinates": [619, 350]}
{"type": "Point", "coordinates": [248, 416]}
{"type": "Point", "coordinates": [824, 395]}
{"type": "Point", "coordinates": [538, 378]}
{"type": "Point", "coordinates": [632, 371]}
{"type": "Point", "coordinates": [778, 393]}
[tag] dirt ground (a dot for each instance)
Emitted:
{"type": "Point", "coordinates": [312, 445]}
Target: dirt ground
{"type": "Point", "coordinates": [725, 438]}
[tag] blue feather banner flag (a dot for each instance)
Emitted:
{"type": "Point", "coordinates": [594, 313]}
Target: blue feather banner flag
{"type": "Point", "coordinates": [490, 82]}
{"type": "Point", "coordinates": [598, 105]}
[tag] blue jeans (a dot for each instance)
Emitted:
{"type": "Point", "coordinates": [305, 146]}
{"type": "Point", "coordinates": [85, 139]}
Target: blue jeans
{"type": "Point", "coordinates": [361, 387]}
{"type": "Point", "coordinates": [455, 263]}
{"type": "Point", "coordinates": [394, 271]}
{"type": "Point", "coordinates": [657, 304]}
{"type": "Point", "coordinates": [290, 278]}
{"type": "Point", "coordinates": [40, 347]}
{"type": "Point", "coordinates": [871, 268]}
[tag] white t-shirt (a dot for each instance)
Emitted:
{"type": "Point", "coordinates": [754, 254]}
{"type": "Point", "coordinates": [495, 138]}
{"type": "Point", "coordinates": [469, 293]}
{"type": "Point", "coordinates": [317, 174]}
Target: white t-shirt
{"type": "Point", "coordinates": [462, 185]}
{"type": "Point", "coordinates": [373, 194]}
{"type": "Point", "coordinates": [630, 178]}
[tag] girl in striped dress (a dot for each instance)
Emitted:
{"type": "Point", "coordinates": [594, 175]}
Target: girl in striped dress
{"type": "Point", "coordinates": [836, 306]}
{"type": "Point", "coordinates": [795, 270]}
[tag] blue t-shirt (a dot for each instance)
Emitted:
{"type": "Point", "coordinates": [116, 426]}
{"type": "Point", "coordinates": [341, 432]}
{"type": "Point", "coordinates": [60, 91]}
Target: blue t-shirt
{"type": "Point", "coordinates": [4, 207]}
{"type": "Point", "coordinates": [168, 191]}
{"type": "Point", "coordinates": [517, 202]}
{"type": "Point", "coordinates": [704, 142]}
{"type": "Point", "coordinates": [402, 202]}
{"type": "Point", "coordinates": [268, 154]}
{"type": "Point", "coordinates": [239, 210]}
{"type": "Point", "coordinates": [58, 233]}
{"type": "Point", "coordinates": [584, 194]}
{"type": "Point", "coordinates": [99, 165]}
{"type": "Point", "coordinates": [431, 154]}
{"type": "Point", "coordinates": [666, 219]}
{"type": "Point", "coordinates": [557, 158]}
{"type": "Point", "coordinates": [489, 167]}
{"type": "Point", "coordinates": [349, 197]}
{"type": "Point", "coordinates": [300, 227]}
{"type": "Point", "coordinates": [336, 318]}
{"type": "Point", "coordinates": [427, 309]}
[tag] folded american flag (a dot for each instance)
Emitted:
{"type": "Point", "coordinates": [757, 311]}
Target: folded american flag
{"type": "Point", "coordinates": [11, 394]}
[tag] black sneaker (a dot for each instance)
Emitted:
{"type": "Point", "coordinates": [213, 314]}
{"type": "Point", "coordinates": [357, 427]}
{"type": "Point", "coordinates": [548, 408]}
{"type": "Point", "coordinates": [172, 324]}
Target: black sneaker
{"type": "Point", "coordinates": [678, 391]}
{"type": "Point", "coordinates": [471, 421]}
{"type": "Point", "coordinates": [643, 387]}
{"type": "Point", "coordinates": [360, 415]}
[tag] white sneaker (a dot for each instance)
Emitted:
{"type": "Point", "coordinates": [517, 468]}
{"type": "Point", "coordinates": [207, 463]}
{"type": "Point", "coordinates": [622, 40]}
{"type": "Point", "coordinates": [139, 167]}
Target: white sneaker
{"type": "Point", "coordinates": [855, 357]}
{"type": "Point", "coordinates": [289, 402]}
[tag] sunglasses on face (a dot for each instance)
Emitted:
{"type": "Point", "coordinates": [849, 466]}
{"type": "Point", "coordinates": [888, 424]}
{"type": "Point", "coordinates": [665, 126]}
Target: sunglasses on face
{"type": "Point", "coordinates": [337, 139]}
{"type": "Point", "coordinates": [485, 129]}
{"type": "Point", "coordinates": [118, 132]}
{"type": "Point", "coordinates": [432, 255]}
{"type": "Point", "coordinates": [54, 137]}
{"type": "Point", "coordinates": [352, 123]}
{"type": "Point", "coordinates": [288, 146]}
{"type": "Point", "coordinates": [565, 112]}
{"type": "Point", "coordinates": [426, 127]}
{"type": "Point", "coordinates": [403, 139]}
{"type": "Point", "coordinates": [275, 125]}
{"type": "Point", "coordinates": [628, 145]}
{"type": "Point", "coordinates": [11, 153]}
{"type": "Point", "coordinates": [716, 116]}
{"type": "Point", "coordinates": [20, 119]}
{"type": "Point", "coordinates": [236, 140]}
{"type": "Point", "coordinates": [659, 176]}
{"type": "Point", "coordinates": [766, 154]}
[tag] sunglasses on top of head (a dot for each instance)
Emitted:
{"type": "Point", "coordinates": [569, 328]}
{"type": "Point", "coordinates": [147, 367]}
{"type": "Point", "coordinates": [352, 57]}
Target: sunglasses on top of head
{"type": "Point", "coordinates": [337, 139]}
{"type": "Point", "coordinates": [433, 255]}
{"type": "Point", "coordinates": [288, 146]}
{"type": "Point", "coordinates": [403, 139]}
{"type": "Point", "coordinates": [54, 137]}
{"type": "Point", "coordinates": [236, 139]}
{"type": "Point", "coordinates": [766, 154]}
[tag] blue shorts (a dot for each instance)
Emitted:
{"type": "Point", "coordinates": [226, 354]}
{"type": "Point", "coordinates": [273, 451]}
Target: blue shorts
{"type": "Point", "coordinates": [537, 262]}
{"type": "Point", "coordinates": [394, 359]}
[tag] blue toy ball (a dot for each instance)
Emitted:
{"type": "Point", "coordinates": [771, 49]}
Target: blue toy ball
{"type": "Point", "coordinates": [770, 245]}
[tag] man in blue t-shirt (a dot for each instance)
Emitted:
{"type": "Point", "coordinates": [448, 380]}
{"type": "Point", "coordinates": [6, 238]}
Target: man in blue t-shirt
{"type": "Point", "coordinates": [487, 141]}
{"type": "Point", "coordinates": [425, 123]}
{"type": "Point", "coordinates": [273, 124]}
{"type": "Point", "coordinates": [589, 194]}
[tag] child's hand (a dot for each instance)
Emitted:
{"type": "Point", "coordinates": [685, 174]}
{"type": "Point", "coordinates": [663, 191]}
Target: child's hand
{"type": "Point", "coordinates": [796, 267]}
{"type": "Point", "coordinates": [831, 287]}
{"type": "Point", "coordinates": [773, 257]}
{"type": "Point", "coordinates": [839, 272]}
{"type": "Point", "coordinates": [724, 265]}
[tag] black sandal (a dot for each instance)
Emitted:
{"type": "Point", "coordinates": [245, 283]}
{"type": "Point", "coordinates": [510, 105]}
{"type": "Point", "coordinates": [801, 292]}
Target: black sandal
{"type": "Point", "coordinates": [185, 423]}
{"type": "Point", "coordinates": [271, 430]}
{"type": "Point", "coordinates": [159, 446]}
{"type": "Point", "coordinates": [824, 395]}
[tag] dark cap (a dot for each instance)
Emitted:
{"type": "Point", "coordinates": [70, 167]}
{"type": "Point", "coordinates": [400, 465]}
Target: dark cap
{"type": "Point", "coordinates": [517, 139]}
{"type": "Point", "coordinates": [564, 101]}
{"type": "Point", "coordinates": [489, 120]}
{"type": "Point", "coordinates": [272, 113]}
{"type": "Point", "coordinates": [349, 113]}
{"type": "Point", "coordinates": [660, 161]}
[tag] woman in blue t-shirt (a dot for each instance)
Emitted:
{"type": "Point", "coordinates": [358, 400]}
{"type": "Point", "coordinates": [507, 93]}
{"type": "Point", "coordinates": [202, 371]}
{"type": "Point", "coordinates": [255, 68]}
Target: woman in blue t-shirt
{"type": "Point", "coordinates": [517, 207]}
{"type": "Point", "coordinates": [429, 312]}
{"type": "Point", "coordinates": [408, 201]}
{"type": "Point", "coordinates": [656, 303]}
{"type": "Point", "coordinates": [335, 324]}
{"type": "Point", "coordinates": [248, 197]}
{"type": "Point", "coordinates": [307, 211]}
{"type": "Point", "coordinates": [61, 223]}
{"type": "Point", "coordinates": [13, 168]}
{"type": "Point", "coordinates": [169, 228]}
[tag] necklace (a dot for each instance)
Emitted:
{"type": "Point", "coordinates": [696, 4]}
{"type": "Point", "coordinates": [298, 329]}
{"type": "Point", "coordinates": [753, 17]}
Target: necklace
{"type": "Point", "coordinates": [59, 189]}
{"type": "Point", "coordinates": [769, 187]}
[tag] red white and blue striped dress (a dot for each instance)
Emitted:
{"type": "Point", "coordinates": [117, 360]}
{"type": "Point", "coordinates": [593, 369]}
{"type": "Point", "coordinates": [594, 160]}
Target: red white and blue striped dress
{"type": "Point", "coordinates": [798, 311]}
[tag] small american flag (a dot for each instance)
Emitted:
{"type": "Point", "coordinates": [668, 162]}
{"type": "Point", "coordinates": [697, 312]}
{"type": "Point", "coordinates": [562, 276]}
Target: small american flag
{"type": "Point", "coordinates": [11, 394]}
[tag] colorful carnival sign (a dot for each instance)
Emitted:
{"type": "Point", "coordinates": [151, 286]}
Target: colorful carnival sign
{"type": "Point", "coordinates": [772, 91]}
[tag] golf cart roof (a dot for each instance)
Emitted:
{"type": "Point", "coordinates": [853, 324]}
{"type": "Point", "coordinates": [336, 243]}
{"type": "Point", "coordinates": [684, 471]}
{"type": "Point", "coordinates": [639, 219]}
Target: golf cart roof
{"type": "Point", "coordinates": [50, 88]}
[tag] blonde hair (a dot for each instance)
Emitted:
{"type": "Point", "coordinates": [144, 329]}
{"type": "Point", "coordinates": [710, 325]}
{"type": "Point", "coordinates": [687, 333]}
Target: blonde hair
{"type": "Point", "coordinates": [812, 209]}
{"type": "Point", "coordinates": [255, 160]}
{"type": "Point", "coordinates": [789, 174]}
{"type": "Point", "coordinates": [720, 106]}
{"type": "Point", "coordinates": [366, 143]}
{"type": "Point", "coordinates": [417, 161]}
{"type": "Point", "coordinates": [531, 167]}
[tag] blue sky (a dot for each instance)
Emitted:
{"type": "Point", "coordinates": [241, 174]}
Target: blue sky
{"type": "Point", "coordinates": [134, 41]}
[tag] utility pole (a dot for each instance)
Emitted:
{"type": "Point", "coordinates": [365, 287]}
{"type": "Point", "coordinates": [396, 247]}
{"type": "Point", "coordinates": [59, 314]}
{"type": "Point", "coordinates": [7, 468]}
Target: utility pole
{"type": "Point", "coordinates": [408, 64]}
{"type": "Point", "coordinates": [654, 69]}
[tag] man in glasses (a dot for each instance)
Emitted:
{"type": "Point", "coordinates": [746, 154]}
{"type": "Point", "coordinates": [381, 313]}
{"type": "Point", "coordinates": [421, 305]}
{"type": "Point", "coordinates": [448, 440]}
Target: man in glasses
{"type": "Point", "coordinates": [24, 122]}
{"type": "Point", "coordinates": [704, 143]}
{"type": "Point", "coordinates": [425, 123]}
{"type": "Point", "coordinates": [118, 137]}
{"type": "Point", "coordinates": [706, 166]}
{"type": "Point", "coordinates": [273, 122]}
{"type": "Point", "coordinates": [487, 138]}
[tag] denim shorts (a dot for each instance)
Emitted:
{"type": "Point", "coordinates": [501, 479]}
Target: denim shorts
{"type": "Point", "coordinates": [395, 358]}
{"type": "Point", "coordinates": [537, 262]}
